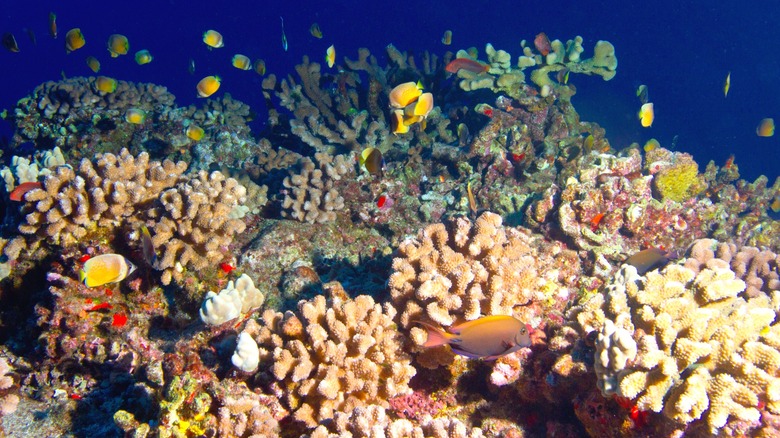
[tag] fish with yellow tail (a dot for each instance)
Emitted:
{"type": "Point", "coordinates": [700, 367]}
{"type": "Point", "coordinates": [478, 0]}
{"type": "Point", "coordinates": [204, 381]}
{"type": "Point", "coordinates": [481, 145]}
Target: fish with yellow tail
{"type": "Point", "coordinates": [489, 337]}
{"type": "Point", "coordinates": [105, 269]}
{"type": "Point", "coordinates": [330, 56]}
{"type": "Point", "coordinates": [727, 85]}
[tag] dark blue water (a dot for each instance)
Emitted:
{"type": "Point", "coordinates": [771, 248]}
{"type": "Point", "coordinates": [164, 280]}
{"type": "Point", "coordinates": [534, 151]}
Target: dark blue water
{"type": "Point", "coordinates": [681, 50]}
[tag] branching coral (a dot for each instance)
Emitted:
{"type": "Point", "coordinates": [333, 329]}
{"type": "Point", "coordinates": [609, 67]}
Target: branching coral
{"type": "Point", "coordinates": [333, 355]}
{"type": "Point", "coordinates": [312, 195]}
{"type": "Point", "coordinates": [691, 345]}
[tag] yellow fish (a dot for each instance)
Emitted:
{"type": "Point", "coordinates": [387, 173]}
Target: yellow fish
{"type": "Point", "coordinates": [143, 57]}
{"type": "Point", "coordinates": [766, 128]}
{"type": "Point", "coordinates": [330, 56]}
{"type": "Point", "coordinates": [423, 106]}
{"type": "Point", "coordinates": [195, 132]}
{"type": "Point", "coordinates": [241, 62]}
{"type": "Point", "coordinates": [105, 269]}
{"type": "Point", "coordinates": [93, 64]}
{"type": "Point", "coordinates": [208, 86]}
{"type": "Point", "coordinates": [212, 38]}
{"type": "Point", "coordinates": [259, 66]}
{"type": "Point", "coordinates": [775, 205]}
{"type": "Point", "coordinates": [315, 31]}
{"type": "Point", "coordinates": [397, 122]}
{"type": "Point", "coordinates": [118, 45]}
{"type": "Point", "coordinates": [652, 145]}
{"type": "Point", "coordinates": [447, 38]}
{"type": "Point", "coordinates": [135, 116]}
{"type": "Point", "coordinates": [74, 40]}
{"type": "Point", "coordinates": [489, 337]}
{"type": "Point", "coordinates": [371, 161]}
{"type": "Point", "coordinates": [105, 84]}
{"type": "Point", "coordinates": [404, 94]}
{"type": "Point", "coordinates": [646, 115]}
{"type": "Point", "coordinates": [727, 85]}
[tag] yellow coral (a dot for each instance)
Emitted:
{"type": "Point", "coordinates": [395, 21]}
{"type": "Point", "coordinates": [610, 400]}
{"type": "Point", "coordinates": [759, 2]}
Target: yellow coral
{"type": "Point", "coordinates": [679, 182]}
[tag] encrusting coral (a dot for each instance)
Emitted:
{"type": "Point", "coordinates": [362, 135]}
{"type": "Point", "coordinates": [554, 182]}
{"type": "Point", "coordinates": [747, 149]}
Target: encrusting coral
{"type": "Point", "coordinates": [332, 355]}
{"type": "Point", "coordinates": [312, 196]}
{"type": "Point", "coordinates": [689, 343]}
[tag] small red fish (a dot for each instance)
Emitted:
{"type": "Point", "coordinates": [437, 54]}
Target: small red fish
{"type": "Point", "coordinates": [84, 258]}
{"type": "Point", "coordinates": [75, 397]}
{"type": "Point", "coordinates": [518, 157]}
{"type": "Point", "coordinates": [18, 193]}
{"type": "Point", "coordinates": [119, 320]}
{"type": "Point", "coordinates": [488, 112]}
{"type": "Point", "coordinates": [466, 64]}
{"type": "Point", "coordinates": [101, 306]}
{"type": "Point", "coordinates": [729, 162]}
{"type": "Point", "coordinates": [596, 221]}
{"type": "Point", "coordinates": [381, 201]}
{"type": "Point", "coordinates": [542, 44]}
{"type": "Point", "coordinates": [226, 268]}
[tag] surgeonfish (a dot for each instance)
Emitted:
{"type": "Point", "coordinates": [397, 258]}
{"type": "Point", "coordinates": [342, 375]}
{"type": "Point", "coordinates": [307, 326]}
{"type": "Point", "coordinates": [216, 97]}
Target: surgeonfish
{"type": "Point", "coordinates": [213, 39]}
{"type": "Point", "coordinates": [489, 337]}
{"type": "Point", "coordinates": [93, 64]}
{"type": "Point", "coordinates": [117, 45]}
{"type": "Point", "coordinates": [646, 115]}
{"type": "Point", "coordinates": [241, 62]}
{"type": "Point", "coordinates": [208, 86]}
{"type": "Point", "coordinates": [446, 39]}
{"type": "Point", "coordinates": [74, 40]}
{"type": "Point", "coordinates": [9, 42]}
{"type": "Point", "coordinates": [466, 64]}
{"type": "Point", "coordinates": [727, 85]}
{"type": "Point", "coordinates": [330, 56]}
{"type": "Point", "coordinates": [284, 37]}
{"type": "Point", "coordinates": [105, 269]}
{"type": "Point", "coordinates": [147, 246]}
{"type": "Point", "coordinates": [53, 25]}
{"type": "Point", "coordinates": [766, 128]}
{"type": "Point", "coordinates": [648, 259]}
{"type": "Point", "coordinates": [143, 57]}
{"type": "Point", "coordinates": [195, 132]}
{"type": "Point", "coordinates": [259, 66]}
{"type": "Point", "coordinates": [404, 94]}
{"type": "Point", "coordinates": [371, 161]}
{"type": "Point", "coordinates": [643, 94]}
{"type": "Point", "coordinates": [315, 31]}
{"type": "Point", "coordinates": [135, 116]}
{"type": "Point", "coordinates": [105, 84]}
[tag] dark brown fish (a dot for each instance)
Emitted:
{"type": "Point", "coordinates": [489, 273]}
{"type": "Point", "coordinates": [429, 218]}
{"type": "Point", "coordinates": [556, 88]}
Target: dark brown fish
{"type": "Point", "coordinates": [9, 42]}
{"type": "Point", "coordinates": [648, 259]}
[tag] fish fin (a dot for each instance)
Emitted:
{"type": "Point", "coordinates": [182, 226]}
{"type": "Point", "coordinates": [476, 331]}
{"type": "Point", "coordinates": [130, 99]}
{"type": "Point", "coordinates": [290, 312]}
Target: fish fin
{"type": "Point", "coordinates": [82, 276]}
{"type": "Point", "coordinates": [436, 336]}
{"type": "Point", "coordinates": [468, 355]}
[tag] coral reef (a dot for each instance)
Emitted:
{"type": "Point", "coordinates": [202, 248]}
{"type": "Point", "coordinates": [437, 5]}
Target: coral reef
{"type": "Point", "coordinates": [312, 195]}
{"type": "Point", "coordinates": [332, 355]}
{"type": "Point", "coordinates": [237, 298]}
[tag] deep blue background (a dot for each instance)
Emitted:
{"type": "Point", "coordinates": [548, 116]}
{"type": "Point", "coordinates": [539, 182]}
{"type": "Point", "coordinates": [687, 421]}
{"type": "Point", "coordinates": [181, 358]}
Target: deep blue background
{"type": "Point", "coordinates": [681, 50]}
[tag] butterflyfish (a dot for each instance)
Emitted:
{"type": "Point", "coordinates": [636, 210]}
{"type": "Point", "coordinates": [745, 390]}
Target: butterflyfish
{"type": "Point", "coordinates": [446, 39]}
{"type": "Point", "coordinates": [9, 42]}
{"type": "Point", "coordinates": [563, 76]}
{"type": "Point", "coordinates": [542, 44]}
{"type": "Point", "coordinates": [241, 62]}
{"type": "Point", "coordinates": [774, 206]}
{"type": "Point", "coordinates": [766, 128]}
{"type": "Point", "coordinates": [371, 161]}
{"type": "Point", "coordinates": [648, 259]}
{"type": "Point", "coordinates": [194, 132]}
{"type": "Point", "coordinates": [147, 246]}
{"type": "Point", "coordinates": [727, 85]}
{"type": "Point", "coordinates": [135, 116]}
{"type": "Point", "coordinates": [53, 25]}
{"type": "Point", "coordinates": [397, 122]}
{"type": "Point", "coordinates": [646, 115]}
{"type": "Point", "coordinates": [259, 66]}
{"type": "Point", "coordinates": [404, 94]}
{"type": "Point", "coordinates": [651, 145]}
{"type": "Point", "coordinates": [213, 39]}
{"type": "Point", "coordinates": [74, 40]}
{"type": "Point", "coordinates": [423, 106]}
{"type": "Point", "coordinates": [93, 64]}
{"type": "Point", "coordinates": [642, 94]}
{"type": "Point", "coordinates": [105, 84]}
{"type": "Point", "coordinates": [489, 337]}
{"type": "Point", "coordinates": [208, 86]}
{"type": "Point", "coordinates": [118, 45]}
{"type": "Point", "coordinates": [143, 57]}
{"type": "Point", "coordinates": [330, 56]}
{"type": "Point", "coordinates": [466, 64]}
{"type": "Point", "coordinates": [284, 37]}
{"type": "Point", "coordinates": [315, 31]}
{"type": "Point", "coordinates": [105, 269]}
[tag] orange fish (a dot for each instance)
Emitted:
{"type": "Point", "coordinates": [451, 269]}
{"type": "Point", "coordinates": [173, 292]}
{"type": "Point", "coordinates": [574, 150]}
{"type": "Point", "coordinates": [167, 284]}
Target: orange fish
{"type": "Point", "coordinates": [403, 94]}
{"type": "Point", "coordinates": [766, 128]}
{"type": "Point", "coordinates": [596, 221]}
{"type": "Point", "coordinates": [18, 193]}
{"type": "Point", "coordinates": [542, 44]}
{"type": "Point", "coordinates": [466, 64]}
{"type": "Point", "coordinates": [489, 337]}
